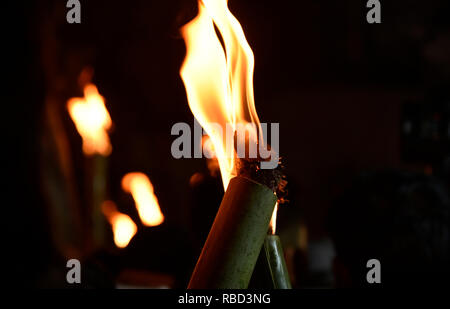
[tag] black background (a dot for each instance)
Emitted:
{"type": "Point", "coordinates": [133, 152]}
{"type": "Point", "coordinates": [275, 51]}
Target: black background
{"type": "Point", "coordinates": [335, 83]}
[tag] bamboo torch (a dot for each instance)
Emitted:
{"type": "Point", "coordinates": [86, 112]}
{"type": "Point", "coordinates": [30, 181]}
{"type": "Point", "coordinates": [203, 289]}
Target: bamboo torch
{"type": "Point", "coordinates": [271, 270]}
{"type": "Point", "coordinates": [219, 87]}
{"type": "Point", "coordinates": [92, 121]}
{"type": "Point", "coordinates": [274, 257]}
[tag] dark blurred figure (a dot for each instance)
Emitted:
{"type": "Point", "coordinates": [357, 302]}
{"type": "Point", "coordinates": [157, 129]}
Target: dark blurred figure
{"type": "Point", "coordinates": [399, 218]}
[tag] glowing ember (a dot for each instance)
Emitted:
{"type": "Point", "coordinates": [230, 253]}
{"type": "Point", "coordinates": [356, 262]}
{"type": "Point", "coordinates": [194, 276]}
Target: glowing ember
{"type": "Point", "coordinates": [122, 225]}
{"type": "Point", "coordinates": [147, 205]}
{"type": "Point", "coordinates": [92, 121]}
{"type": "Point", "coordinates": [219, 84]}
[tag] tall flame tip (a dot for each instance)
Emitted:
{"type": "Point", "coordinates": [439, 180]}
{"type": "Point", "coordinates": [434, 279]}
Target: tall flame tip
{"type": "Point", "coordinates": [219, 80]}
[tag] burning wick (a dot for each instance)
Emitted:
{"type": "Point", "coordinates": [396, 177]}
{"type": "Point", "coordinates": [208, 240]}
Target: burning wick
{"type": "Point", "coordinates": [122, 225]}
{"type": "Point", "coordinates": [92, 121]}
{"type": "Point", "coordinates": [147, 204]}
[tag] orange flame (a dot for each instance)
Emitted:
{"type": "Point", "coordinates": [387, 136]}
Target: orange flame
{"type": "Point", "coordinates": [208, 147]}
{"type": "Point", "coordinates": [147, 205]}
{"type": "Point", "coordinates": [122, 225]}
{"type": "Point", "coordinates": [219, 84]}
{"type": "Point", "coordinates": [273, 220]}
{"type": "Point", "coordinates": [92, 121]}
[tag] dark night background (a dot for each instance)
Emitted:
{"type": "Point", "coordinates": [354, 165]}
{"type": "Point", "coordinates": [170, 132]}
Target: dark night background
{"type": "Point", "coordinates": [341, 89]}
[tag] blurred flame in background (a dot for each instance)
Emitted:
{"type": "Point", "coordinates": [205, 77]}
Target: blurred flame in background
{"type": "Point", "coordinates": [122, 225]}
{"type": "Point", "coordinates": [92, 121]}
{"type": "Point", "coordinates": [147, 204]}
{"type": "Point", "coordinates": [219, 84]}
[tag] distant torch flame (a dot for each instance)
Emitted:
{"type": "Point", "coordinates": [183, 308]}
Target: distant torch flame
{"type": "Point", "coordinates": [147, 205]}
{"type": "Point", "coordinates": [218, 82]}
{"type": "Point", "coordinates": [92, 121]}
{"type": "Point", "coordinates": [122, 225]}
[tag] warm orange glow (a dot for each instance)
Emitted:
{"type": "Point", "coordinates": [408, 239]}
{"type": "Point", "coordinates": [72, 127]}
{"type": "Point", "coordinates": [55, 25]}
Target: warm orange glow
{"type": "Point", "coordinates": [92, 121]}
{"type": "Point", "coordinates": [122, 225]}
{"type": "Point", "coordinates": [210, 153]}
{"type": "Point", "coordinates": [218, 82]}
{"type": "Point", "coordinates": [208, 147]}
{"type": "Point", "coordinates": [147, 205]}
{"type": "Point", "coordinates": [273, 220]}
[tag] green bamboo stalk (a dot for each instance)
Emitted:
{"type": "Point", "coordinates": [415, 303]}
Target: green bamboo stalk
{"type": "Point", "coordinates": [236, 237]}
{"type": "Point", "coordinates": [276, 262]}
